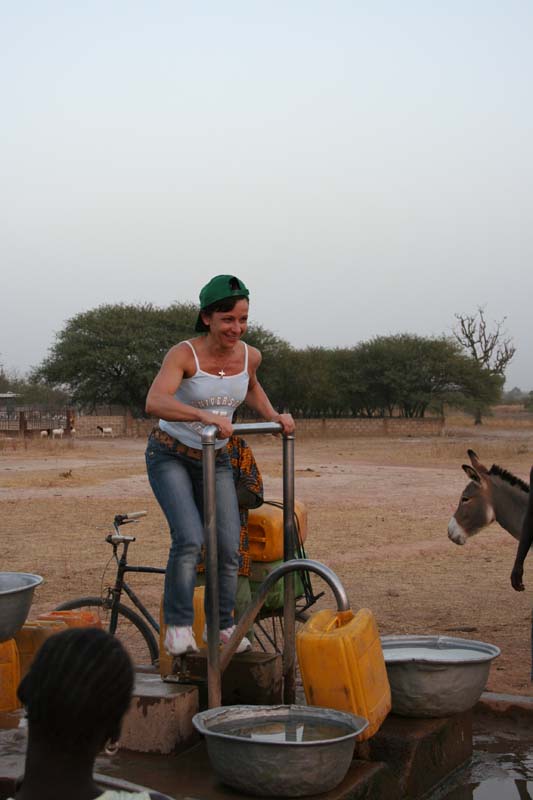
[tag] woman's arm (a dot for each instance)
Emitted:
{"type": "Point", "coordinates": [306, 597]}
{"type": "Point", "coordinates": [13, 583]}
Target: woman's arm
{"type": "Point", "coordinates": [525, 542]}
{"type": "Point", "coordinates": [160, 400]}
{"type": "Point", "coordinates": [257, 399]}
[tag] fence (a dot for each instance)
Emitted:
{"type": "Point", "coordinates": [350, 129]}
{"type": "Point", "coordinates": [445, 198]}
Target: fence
{"type": "Point", "coordinates": [31, 423]}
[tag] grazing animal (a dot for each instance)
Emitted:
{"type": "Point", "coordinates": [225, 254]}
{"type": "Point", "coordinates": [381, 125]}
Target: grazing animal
{"type": "Point", "coordinates": [44, 434]}
{"type": "Point", "coordinates": [493, 495]}
{"type": "Point", "coordinates": [105, 431]}
{"type": "Point", "coordinates": [57, 433]}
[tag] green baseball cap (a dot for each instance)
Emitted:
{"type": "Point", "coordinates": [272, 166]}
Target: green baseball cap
{"type": "Point", "coordinates": [219, 288]}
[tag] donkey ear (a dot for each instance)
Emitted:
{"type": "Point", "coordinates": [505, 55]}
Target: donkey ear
{"type": "Point", "coordinates": [472, 474]}
{"type": "Point", "coordinates": [476, 463]}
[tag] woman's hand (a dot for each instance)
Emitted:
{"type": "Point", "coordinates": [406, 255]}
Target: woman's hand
{"type": "Point", "coordinates": [287, 423]}
{"type": "Point", "coordinates": [224, 425]}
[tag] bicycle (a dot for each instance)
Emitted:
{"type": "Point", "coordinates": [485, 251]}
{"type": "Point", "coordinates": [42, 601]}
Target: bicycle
{"type": "Point", "coordinates": [137, 633]}
{"type": "Point", "coordinates": [140, 632]}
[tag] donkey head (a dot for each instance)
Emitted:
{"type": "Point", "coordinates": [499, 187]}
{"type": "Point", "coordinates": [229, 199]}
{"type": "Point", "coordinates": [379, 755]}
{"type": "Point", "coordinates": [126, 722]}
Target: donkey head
{"type": "Point", "coordinates": [475, 510]}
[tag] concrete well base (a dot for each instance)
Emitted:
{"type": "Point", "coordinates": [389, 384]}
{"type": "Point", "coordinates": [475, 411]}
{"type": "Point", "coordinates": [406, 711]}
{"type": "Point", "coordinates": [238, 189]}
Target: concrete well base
{"type": "Point", "coordinates": [420, 753]}
{"type": "Point", "coordinates": [160, 716]}
{"type": "Point", "coordinates": [251, 677]}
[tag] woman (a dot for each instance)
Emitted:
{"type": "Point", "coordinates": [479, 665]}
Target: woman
{"type": "Point", "coordinates": [201, 382]}
{"type": "Point", "coordinates": [76, 693]}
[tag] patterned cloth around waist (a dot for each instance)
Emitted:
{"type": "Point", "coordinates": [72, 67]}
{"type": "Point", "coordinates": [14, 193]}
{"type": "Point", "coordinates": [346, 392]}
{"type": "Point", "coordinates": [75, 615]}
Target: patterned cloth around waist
{"type": "Point", "coordinates": [178, 447]}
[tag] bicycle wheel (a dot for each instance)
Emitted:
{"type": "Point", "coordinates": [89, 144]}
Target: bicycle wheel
{"type": "Point", "coordinates": [132, 630]}
{"type": "Point", "coordinates": [269, 637]}
{"type": "Point", "coordinates": [268, 630]}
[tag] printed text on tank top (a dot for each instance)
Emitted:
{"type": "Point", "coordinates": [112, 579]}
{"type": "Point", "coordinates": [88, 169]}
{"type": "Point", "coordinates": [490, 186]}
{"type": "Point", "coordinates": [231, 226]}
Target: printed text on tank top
{"type": "Point", "coordinates": [217, 394]}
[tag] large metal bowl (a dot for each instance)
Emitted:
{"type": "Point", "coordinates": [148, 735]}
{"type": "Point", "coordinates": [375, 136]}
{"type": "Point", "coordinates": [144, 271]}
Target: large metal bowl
{"type": "Point", "coordinates": [16, 595]}
{"type": "Point", "coordinates": [435, 676]}
{"type": "Point", "coordinates": [281, 751]}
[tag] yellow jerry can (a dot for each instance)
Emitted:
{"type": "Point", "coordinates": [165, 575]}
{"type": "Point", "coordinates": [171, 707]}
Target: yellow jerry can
{"type": "Point", "coordinates": [165, 661]}
{"type": "Point", "coordinates": [265, 530]}
{"type": "Point", "coordinates": [342, 665]}
{"type": "Point", "coordinates": [30, 638]}
{"type": "Point", "coordinates": [9, 675]}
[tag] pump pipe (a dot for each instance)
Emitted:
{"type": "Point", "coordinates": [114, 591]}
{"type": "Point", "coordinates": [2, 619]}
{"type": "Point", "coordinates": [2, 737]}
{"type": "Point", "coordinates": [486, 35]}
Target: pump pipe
{"type": "Point", "coordinates": [298, 564]}
{"type": "Point", "coordinates": [209, 437]}
{"type": "Point", "coordinates": [217, 659]}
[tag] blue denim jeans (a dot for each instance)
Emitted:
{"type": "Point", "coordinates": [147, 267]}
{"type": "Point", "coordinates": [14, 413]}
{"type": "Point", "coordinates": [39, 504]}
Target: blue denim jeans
{"type": "Point", "coordinates": [177, 483]}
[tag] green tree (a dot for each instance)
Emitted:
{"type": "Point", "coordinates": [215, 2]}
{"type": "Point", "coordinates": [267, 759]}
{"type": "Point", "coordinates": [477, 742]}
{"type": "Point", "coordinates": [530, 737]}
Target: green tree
{"type": "Point", "coordinates": [275, 369]}
{"type": "Point", "coordinates": [111, 354]}
{"type": "Point", "coordinates": [409, 374]}
{"type": "Point", "coordinates": [31, 392]}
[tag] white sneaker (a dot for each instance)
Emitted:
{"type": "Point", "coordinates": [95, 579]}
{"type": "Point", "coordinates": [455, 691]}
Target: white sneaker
{"type": "Point", "coordinates": [226, 634]}
{"type": "Point", "coordinates": [179, 640]}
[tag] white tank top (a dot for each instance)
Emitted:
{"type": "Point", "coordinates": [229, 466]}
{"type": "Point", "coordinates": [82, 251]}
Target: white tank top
{"type": "Point", "coordinates": [220, 395]}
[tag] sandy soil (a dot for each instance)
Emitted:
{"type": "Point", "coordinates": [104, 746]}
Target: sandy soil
{"type": "Point", "coordinates": [378, 514]}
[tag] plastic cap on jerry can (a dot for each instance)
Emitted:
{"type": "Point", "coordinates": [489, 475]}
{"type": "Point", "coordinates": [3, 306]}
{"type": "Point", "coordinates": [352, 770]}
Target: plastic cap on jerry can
{"type": "Point", "coordinates": [74, 618]}
{"type": "Point", "coordinates": [9, 675]}
{"type": "Point", "coordinates": [342, 665]}
{"type": "Point", "coordinates": [265, 530]}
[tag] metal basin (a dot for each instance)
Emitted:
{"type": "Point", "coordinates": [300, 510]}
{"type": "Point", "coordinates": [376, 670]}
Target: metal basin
{"type": "Point", "coordinates": [435, 676]}
{"type": "Point", "coordinates": [16, 595]}
{"type": "Point", "coordinates": [282, 751]}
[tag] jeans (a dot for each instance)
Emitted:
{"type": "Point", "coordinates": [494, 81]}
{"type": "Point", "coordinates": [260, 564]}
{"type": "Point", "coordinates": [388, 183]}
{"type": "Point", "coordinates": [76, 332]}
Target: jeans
{"type": "Point", "coordinates": [177, 483]}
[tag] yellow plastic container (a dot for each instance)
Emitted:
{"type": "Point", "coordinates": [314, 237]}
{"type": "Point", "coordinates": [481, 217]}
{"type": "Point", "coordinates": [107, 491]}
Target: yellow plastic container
{"type": "Point", "coordinates": [165, 661]}
{"type": "Point", "coordinates": [9, 675]}
{"type": "Point", "coordinates": [74, 619]}
{"type": "Point", "coordinates": [342, 665]}
{"type": "Point", "coordinates": [265, 530]}
{"type": "Point", "coordinates": [30, 638]}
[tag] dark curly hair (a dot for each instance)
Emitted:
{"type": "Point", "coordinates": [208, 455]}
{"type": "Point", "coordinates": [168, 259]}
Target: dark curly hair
{"type": "Point", "coordinates": [78, 688]}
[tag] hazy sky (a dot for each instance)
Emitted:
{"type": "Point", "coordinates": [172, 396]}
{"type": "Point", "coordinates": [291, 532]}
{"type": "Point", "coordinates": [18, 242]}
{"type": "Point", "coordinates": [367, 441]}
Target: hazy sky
{"type": "Point", "coordinates": [365, 167]}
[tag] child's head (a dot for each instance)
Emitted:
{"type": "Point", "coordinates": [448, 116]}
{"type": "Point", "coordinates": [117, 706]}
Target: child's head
{"type": "Point", "coordinates": [78, 689]}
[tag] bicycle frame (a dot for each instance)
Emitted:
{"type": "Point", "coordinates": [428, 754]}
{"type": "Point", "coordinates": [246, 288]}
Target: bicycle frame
{"type": "Point", "coordinates": [122, 585]}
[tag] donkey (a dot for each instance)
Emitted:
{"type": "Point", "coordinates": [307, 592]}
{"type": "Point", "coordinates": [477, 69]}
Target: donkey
{"type": "Point", "coordinates": [493, 495]}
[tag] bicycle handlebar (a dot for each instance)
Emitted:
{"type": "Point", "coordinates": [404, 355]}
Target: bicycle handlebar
{"type": "Point", "coordinates": [116, 538]}
{"type": "Point", "coordinates": [121, 519]}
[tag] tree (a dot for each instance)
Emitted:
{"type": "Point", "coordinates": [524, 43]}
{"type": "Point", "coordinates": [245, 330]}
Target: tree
{"type": "Point", "coordinates": [409, 374]}
{"type": "Point", "coordinates": [275, 370]}
{"type": "Point", "coordinates": [111, 354]}
{"type": "Point", "coordinates": [29, 392]}
{"type": "Point", "coordinates": [492, 349]}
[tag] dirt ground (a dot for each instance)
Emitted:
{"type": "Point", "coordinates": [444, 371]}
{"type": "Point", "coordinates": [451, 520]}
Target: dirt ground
{"type": "Point", "coordinates": [378, 515]}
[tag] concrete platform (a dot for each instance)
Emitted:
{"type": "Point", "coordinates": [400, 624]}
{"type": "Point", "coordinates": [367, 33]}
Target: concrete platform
{"type": "Point", "coordinates": [420, 753]}
{"type": "Point", "coordinates": [402, 761]}
{"type": "Point", "coordinates": [405, 760]}
{"type": "Point", "coordinates": [160, 716]}
{"type": "Point", "coordinates": [250, 678]}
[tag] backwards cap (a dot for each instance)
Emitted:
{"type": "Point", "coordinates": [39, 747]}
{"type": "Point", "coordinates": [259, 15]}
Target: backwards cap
{"type": "Point", "coordinates": [219, 288]}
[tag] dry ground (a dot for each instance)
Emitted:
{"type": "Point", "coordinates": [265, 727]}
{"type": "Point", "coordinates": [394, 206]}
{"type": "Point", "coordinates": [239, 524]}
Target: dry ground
{"type": "Point", "coordinates": [378, 513]}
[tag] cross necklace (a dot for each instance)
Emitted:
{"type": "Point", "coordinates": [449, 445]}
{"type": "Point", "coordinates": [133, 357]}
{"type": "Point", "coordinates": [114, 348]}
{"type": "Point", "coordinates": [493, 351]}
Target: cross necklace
{"type": "Point", "coordinates": [221, 372]}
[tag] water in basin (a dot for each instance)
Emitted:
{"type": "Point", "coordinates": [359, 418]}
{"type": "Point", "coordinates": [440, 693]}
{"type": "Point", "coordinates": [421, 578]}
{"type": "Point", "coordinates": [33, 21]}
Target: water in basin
{"type": "Point", "coordinates": [449, 655]}
{"type": "Point", "coordinates": [295, 729]}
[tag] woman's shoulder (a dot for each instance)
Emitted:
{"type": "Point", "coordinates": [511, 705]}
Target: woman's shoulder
{"type": "Point", "coordinates": [181, 353]}
{"type": "Point", "coordinates": [254, 356]}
